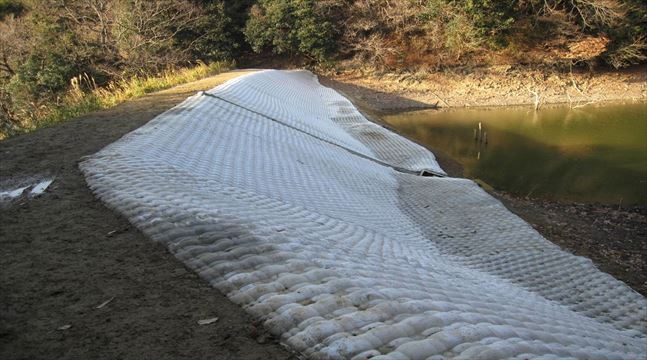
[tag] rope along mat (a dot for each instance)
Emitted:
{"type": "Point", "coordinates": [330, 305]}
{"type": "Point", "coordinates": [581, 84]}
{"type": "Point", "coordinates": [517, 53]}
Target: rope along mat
{"type": "Point", "coordinates": [278, 192]}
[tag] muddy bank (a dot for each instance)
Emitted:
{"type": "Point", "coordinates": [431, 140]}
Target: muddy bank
{"type": "Point", "coordinates": [491, 86]}
{"type": "Point", "coordinates": [63, 254]}
{"type": "Point", "coordinates": [614, 237]}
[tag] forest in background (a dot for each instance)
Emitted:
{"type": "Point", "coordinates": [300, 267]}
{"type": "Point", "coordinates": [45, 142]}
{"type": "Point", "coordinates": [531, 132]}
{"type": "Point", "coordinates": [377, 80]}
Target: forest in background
{"type": "Point", "coordinates": [53, 53]}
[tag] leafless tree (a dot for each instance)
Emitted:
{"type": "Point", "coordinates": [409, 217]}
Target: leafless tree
{"type": "Point", "coordinates": [145, 30]}
{"type": "Point", "coordinates": [589, 13]}
{"type": "Point", "coordinates": [632, 52]}
{"type": "Point", "coordinates": [13, 45]}
{"type": "Point", "coordinates": [130, 35]}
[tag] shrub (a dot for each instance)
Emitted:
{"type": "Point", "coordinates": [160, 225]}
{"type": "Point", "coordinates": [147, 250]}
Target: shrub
{"type": "Point", "coordinates": [294, 27]}
{"type": "Point", "coordinates": [85, 96]}
{"type": "Point", "coordinates": [210, 34]}
{"type": "Point", "coordinates": [8, 7]}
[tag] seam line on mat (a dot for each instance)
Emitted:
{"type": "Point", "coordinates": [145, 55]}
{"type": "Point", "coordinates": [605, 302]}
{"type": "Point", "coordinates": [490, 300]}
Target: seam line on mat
{"type": "Point", "coordinates": [378, 161]}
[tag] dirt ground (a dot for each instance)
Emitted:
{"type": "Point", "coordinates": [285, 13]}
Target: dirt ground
{"type": "Point", "coordinates": [63, 254]}
{"type": "Point", "coordinates": [615, 238]}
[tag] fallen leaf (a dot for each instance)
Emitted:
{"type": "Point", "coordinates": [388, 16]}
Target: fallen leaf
{"type": "Point", "coordinates": [207, 321]}
{"type": "Point", "coordinates": [104, 303]}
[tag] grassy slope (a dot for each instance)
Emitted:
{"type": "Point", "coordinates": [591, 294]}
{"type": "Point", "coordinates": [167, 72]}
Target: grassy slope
{"type": "Point", "coordinates": [78, 102]}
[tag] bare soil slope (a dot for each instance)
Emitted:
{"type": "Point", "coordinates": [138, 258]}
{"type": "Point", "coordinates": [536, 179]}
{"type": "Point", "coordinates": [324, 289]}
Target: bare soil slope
{"type": "Point", "coordinates": [62, 254]}
{"type": "Point", "coordinates": [492, 86]}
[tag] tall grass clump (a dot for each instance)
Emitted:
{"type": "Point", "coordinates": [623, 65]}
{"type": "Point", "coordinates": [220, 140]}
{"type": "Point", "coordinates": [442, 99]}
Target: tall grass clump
{"type": "Point", "coordinates": [78, 101]}
{"type": "Point", "coordinates": [84, 96]}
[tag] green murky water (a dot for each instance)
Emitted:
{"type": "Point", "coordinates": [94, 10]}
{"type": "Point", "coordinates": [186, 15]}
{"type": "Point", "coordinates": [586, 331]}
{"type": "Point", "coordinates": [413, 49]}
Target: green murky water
{"type": "Point", "coordinates": [589, 154]}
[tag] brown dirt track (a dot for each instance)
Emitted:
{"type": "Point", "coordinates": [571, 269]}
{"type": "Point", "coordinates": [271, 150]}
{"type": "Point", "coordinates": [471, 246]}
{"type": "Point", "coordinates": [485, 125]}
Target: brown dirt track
{"type": "Point", "coordinates": [61, 257]}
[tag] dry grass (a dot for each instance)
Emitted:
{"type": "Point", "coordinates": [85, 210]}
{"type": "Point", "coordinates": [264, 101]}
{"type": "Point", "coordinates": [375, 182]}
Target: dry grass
{"type": "Point", "coordinates": [85, 97]}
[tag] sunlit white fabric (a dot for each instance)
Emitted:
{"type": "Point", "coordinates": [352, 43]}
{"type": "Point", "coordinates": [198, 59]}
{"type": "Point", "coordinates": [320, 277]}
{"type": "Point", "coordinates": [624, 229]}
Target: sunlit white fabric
{"type": "Point", "coordinates": [282, 195]}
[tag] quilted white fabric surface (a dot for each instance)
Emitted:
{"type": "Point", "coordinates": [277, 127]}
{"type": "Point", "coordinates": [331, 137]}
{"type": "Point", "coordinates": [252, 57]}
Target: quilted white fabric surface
{"type": "Point", "coordinates": [282, 195]}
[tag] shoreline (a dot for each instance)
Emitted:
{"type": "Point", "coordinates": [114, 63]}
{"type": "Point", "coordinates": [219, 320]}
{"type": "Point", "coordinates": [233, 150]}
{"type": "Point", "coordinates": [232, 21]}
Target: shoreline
{"type": "Point", "coordinates": [614, 238]}
{"type": "Point", "coordinates": [600, 103]}
{"type": "Point", "coordinates": [493, 86]}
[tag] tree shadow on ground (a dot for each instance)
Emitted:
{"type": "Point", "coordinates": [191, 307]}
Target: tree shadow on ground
{"type": "Point", "coordinates": [374, 100]}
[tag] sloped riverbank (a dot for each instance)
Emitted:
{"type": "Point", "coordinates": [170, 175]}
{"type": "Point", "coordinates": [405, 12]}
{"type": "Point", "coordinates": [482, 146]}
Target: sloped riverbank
{"type": "Point", "coordinates": [613, 236]}
{"type": "Point", "coordinates": [67, 254]}
{"type": "Point", "coordinates": [490, 86]}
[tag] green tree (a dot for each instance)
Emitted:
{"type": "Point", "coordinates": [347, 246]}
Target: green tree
{"type": "Point", "coordinates": [11, 7]}
{"type": "Point", "coordinates": [52, 58]}
{"type": "Point", "coordinates": [295, 27]}
{"type": "Point", "coordinates": [493, 19]}
{"type": "Point", "coordinates": [210, 37]}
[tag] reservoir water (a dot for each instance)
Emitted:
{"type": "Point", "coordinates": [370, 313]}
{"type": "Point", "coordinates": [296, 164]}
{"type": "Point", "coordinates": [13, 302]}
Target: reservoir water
{"type": "Point", "coordinates": [589, 154]}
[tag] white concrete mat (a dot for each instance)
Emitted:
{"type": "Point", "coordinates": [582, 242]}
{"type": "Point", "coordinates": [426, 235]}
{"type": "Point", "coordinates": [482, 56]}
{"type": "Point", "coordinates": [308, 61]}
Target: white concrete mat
{"type": "Point", "coordinates": [282, 195]}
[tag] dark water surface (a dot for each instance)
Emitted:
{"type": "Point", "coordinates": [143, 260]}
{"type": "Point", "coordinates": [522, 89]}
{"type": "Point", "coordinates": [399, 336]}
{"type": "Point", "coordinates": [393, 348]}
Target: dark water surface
{"type": "Point", "coordinates": [589, 154]}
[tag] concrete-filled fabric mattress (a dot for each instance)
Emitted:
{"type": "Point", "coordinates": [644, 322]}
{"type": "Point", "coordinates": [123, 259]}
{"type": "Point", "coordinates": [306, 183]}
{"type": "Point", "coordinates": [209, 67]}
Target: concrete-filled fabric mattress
{"type": "Point", "coordinates": [278, 192]}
